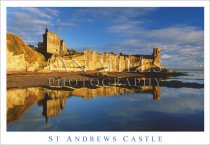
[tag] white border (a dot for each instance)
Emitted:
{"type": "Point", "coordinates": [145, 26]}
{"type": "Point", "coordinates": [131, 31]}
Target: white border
{"type": "Point", "coordinates": [42, 137]}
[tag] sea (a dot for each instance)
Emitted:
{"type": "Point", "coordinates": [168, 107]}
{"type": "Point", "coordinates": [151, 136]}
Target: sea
{"type": "Point", "coordinates": [109, 108]}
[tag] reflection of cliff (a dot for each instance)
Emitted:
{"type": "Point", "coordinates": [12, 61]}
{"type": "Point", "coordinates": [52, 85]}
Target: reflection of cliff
{"type": "Point", "coordinates": [20, 100]}
{"type": "Point", "coordinates": [53, 101]}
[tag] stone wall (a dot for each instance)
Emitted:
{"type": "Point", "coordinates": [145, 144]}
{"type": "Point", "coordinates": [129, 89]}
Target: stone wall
{"type": "Point", "coordinates": [91, 60]}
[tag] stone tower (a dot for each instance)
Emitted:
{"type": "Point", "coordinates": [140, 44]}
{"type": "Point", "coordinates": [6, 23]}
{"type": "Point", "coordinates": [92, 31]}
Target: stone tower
{"type": "Point", "coordinates": [63, 48]}
{"type": "Point", "coordinates": [52, 43]}
{"type": "Point", "coordinates": [156, 57]}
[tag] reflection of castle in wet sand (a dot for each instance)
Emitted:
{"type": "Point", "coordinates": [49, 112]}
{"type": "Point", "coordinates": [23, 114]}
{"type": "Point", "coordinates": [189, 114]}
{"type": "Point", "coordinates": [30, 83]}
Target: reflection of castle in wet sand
{"type": "Point", "coordinates": [53, 101]}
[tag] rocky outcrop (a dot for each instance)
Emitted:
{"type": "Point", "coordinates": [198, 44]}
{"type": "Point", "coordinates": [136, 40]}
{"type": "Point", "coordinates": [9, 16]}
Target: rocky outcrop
{"type": "Point", "coordinates": [20, 57]}
{"type": "Point", "coordinates": [16, 60]}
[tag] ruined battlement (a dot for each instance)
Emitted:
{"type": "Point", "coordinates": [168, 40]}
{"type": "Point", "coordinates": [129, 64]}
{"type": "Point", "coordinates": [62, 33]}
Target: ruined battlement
{"type": "Point", "coordinates": [92, 60]}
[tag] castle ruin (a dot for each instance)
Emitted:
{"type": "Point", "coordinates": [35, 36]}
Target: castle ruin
{"type": "Point", "coordinates": [92, 60]}
{"type": "Point", "coordinates": [52, 44]}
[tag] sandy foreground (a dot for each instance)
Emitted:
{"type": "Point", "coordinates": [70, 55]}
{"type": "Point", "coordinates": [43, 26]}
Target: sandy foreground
{"type": "Point", "coordinates": [40, 79]}
{"type": "Point", "coordinates": [37, 79]}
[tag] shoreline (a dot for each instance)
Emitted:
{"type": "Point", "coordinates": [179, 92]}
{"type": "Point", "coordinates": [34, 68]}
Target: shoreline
{"type": "Point", "coordinates": [41, 79]}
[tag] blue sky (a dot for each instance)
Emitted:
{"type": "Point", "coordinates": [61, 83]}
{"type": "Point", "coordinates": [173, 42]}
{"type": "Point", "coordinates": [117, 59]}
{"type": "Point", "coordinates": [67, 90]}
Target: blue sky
{"type": "Point", "coordinates": [178, 31]}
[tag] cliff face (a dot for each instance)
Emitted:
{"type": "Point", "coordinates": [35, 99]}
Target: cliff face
{"type": "Point", "coordinates": [20, 57]}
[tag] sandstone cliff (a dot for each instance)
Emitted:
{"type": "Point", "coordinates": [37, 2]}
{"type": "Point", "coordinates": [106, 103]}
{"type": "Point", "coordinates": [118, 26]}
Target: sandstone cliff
{"type": "Point", "coordinates": [20, 57]}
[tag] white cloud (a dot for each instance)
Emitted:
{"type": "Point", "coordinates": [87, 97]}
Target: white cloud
{"type": "Point", "coordinates": [114, 12]}
{"type": "Point", "coordinates": [37, 12]}
{"type": "Point", "coordinates": [52, 11]}
{"type": "Point", "coordinates": [185, 34]}
{"type": "Point", "coordinates": [165, 56]}
{"type": "Point", "coordinates": [182, 45]}
{"type": "Point", "coordinates": [29, 23]}
{"type": "Point", "coordinates": [127, 28]}
{"type": "Point", "coordinates": [181, 34]}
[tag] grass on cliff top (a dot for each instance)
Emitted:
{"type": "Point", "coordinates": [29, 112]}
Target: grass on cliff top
{"type": "Point", "coordinates": [16, 45]}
